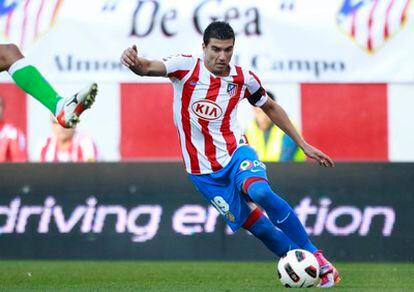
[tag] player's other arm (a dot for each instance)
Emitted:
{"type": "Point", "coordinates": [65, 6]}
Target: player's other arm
{"type": "Point", "coordinates": [279, 117]}
{"type": "Point", "coordinates": [142, 66]}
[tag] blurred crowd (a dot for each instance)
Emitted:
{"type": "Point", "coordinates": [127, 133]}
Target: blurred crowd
{"type": "Point", "coordinates": [63, 145]}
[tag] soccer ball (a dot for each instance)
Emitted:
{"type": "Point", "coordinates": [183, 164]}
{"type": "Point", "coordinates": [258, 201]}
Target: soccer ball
{"type": "Point", "coordinates": [298, 269]}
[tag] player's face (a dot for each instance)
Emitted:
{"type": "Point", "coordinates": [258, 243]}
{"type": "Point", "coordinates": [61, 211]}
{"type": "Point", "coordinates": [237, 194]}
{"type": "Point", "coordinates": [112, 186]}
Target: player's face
{"type": "Point", "coordinates": [217, 56]}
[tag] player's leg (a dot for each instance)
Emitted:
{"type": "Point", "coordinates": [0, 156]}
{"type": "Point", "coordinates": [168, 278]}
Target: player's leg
{"type": "Point", "coordinates": [251, 179]}
{"type": "Point", "coordinates": [273, 238]}
{"type": "Point", "coordinates": [8, 55]}
{"type": "Point", "coordinates": [235, 209]}
{"type": "Point", "coordinates": [283, 217]}
{"type": "Point", "coordinates": [28, 78]}
{"type": "Point", "coordinates": [278, 210]}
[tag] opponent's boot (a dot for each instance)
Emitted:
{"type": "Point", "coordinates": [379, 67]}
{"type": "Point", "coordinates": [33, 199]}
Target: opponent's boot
{"type": "Point", "coordinates": [74, 106]}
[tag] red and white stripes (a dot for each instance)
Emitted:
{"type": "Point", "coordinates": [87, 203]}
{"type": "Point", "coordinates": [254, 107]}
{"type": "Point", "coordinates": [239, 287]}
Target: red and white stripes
{"type": "Point", "coordinates": [205, 108]}
{"type": "Point", "coordinates": [28, 19]}
{"type": "Point", "coordinates": [350, 122]}
{"type": "Point", "coordinates": [374, 22]}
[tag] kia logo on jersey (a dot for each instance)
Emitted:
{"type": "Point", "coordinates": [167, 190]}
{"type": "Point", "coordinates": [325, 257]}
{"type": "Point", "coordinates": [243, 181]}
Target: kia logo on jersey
{"type": "Point", "coordinates": [207, 110]}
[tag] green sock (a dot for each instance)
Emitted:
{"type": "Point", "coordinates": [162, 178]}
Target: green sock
{"type": "Point", "coordinates": [28, 78]}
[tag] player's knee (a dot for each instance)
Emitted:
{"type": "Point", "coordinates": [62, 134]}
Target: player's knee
{"type": "Point", "coordinates": [260, 192]}
{"type": "Point", "coordinates": [9, 53]}
{"type": "Point", "coordinates": [9, 48]}
{"type": "Point", "coordinates": [258, 228]}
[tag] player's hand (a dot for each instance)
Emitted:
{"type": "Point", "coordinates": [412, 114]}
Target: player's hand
{"type": "Point", "coordinates": [130, 58]}
{"type": "Point", "coordinates": [318, 155]}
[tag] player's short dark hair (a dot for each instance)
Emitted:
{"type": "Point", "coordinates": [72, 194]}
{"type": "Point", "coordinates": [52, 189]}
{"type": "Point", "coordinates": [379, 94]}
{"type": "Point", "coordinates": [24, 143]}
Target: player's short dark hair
{"type": "Point", "coordinates": [218, 30]}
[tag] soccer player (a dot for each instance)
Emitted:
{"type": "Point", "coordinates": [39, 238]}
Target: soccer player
{"type": "Point", "coordinates": [217, 157]}
{"type": "Point", "coordinates": [27, 77]}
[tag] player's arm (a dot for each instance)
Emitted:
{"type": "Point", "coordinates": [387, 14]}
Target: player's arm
{"type": "Point", "coordinates": [279, 117]}
{"type": "Point", "coordinates": [142, 66]}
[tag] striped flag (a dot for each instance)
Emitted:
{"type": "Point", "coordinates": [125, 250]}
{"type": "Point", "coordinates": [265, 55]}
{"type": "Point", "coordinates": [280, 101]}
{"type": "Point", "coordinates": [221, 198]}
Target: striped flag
{"type": "Point", "coordinates": [24, 21]}
{"type": "Point", "coordinates": [370, 23]}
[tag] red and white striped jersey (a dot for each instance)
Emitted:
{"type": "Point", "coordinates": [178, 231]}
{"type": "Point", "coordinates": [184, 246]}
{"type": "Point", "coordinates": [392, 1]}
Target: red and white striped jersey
{"type": "Point", "coordinates": [12, 144]}
{"type": "Point", "coordinates": [82, 149]}
{"type": "Point", "coordinates": [205, 109]}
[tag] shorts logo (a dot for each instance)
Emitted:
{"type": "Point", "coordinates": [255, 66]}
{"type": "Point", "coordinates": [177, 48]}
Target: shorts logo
{"type": "Point", "coordinates": [246, 164]}
{"type": "Point", "coordinates": [260, 164]}
{"type": "Point", "coordinates": [207, 110]}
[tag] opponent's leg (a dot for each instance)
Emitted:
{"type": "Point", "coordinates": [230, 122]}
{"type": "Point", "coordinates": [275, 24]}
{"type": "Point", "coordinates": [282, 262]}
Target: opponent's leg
{"type": "Point", "coordinates": [272, 237]}
{"type": "Point", "coordinates": [28, 78]}
{"type": "Point", "coordinates": [8, 55]}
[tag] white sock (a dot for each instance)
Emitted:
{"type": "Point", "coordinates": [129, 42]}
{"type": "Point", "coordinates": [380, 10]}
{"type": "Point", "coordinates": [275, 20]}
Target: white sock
{"type": "Point", "coordinates": [19, 64]}
{"type": "Point", "coordinates": [59, 106]}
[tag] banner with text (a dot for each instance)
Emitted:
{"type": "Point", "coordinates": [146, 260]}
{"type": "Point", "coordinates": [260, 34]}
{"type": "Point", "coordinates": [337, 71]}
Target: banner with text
{"type": "Point", "coordinates": [281, 40]}
{"type": "Point", "coordinates": [151, 211]}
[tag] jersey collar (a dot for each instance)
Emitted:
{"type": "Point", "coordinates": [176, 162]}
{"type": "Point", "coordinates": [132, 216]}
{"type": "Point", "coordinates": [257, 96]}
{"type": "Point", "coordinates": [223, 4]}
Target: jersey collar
{"type": "Point", "coordinates": [233, 71]}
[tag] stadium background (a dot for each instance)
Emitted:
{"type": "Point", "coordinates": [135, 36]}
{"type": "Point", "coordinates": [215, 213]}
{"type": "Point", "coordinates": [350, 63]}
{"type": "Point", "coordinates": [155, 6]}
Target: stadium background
{"type": "Point", "coordinates": [343, 70]}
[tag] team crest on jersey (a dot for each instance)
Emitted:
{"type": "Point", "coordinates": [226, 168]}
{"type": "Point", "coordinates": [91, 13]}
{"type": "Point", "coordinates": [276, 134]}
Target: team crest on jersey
{"type": "Point", "coordinates": [207, 110]}
{"type": "Point", "coordinates": [231, 89]}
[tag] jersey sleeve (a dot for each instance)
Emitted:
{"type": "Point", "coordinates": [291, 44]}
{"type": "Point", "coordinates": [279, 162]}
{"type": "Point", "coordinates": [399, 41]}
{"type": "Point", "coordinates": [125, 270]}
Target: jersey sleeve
{"type": "Point", "coordinates": [256, 95]}
{"type": "Point", "coordinates": [178, 66]}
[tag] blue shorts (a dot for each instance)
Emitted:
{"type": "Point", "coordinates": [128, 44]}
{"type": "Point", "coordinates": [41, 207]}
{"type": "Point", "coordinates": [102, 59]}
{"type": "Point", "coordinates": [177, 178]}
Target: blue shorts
{"type": "Point", "coordinates": [223, 188]}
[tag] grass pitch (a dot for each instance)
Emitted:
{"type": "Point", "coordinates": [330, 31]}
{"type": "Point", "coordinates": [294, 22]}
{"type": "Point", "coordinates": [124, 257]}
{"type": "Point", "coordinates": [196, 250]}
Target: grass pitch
{"type": "Point", "coordinates": [185, 276]}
